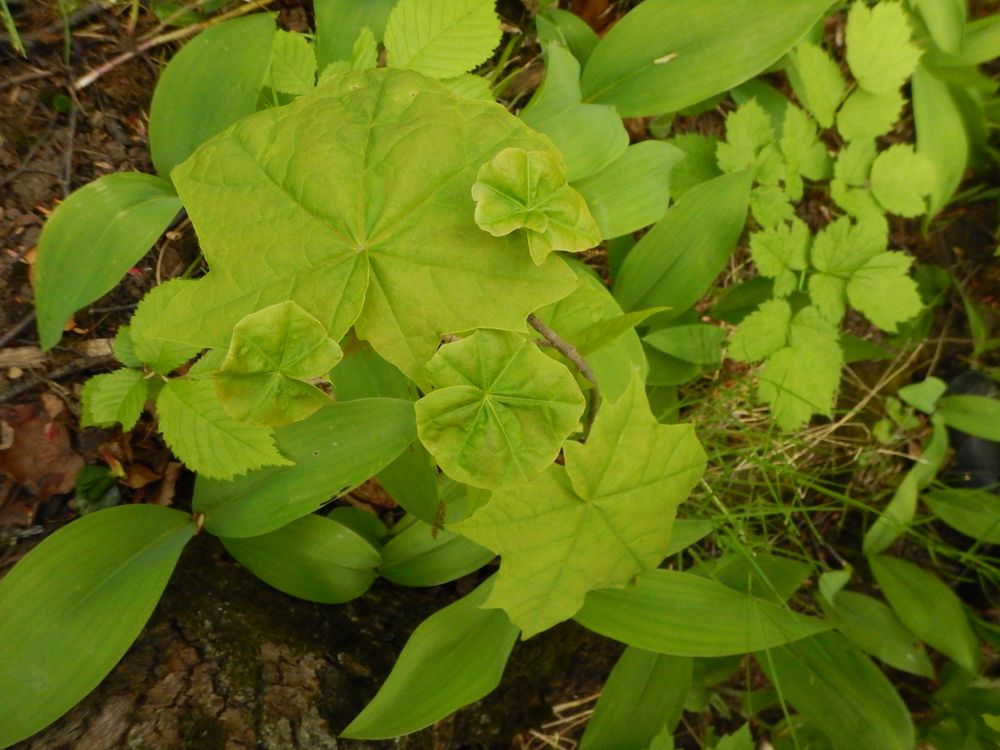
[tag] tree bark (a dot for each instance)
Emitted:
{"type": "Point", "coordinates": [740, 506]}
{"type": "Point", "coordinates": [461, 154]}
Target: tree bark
{"type": "Point", "coordinates": [228, 663]}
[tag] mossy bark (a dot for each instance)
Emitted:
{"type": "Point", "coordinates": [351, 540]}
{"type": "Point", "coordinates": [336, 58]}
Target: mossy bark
{"type": "Point", "coordinates": [227, 663]}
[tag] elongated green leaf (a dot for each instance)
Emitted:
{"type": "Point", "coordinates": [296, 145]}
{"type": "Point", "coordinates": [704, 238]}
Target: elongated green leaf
{"type": "Point", "coordinates": [837, 689]}
{"type": "Point", "coordinates": [669, 54]}
{"type": "Point", "coordinates": [411, 478]}
{"type": "Point", "coordinates": [634, 190]}
{"type": "Point", "coordinates": [644, 695]}
{"type": "Point", "coordinates": [116, 397]}
{"type": "Point", "coordinates": [456, 656]}
{"type": "Point", "coordinates": [352, 243]}
{"type": "Point", "coordinates": [601, 519]}
{"type": "Point", "coordinates": [770, 577]}
{"type": "Point", "coordinates": [981, 44]}
{"type": "Point", "coordinates": [441, 38]}
{"type": "Point", "coordinates": [978, 416]}
{"type": "Point", "coordinates": [334, 450]}
{"type": "Point", "coordinates": [945, 20]}
{"type": "Point", "coordinates": [900, 511]}
{"type": "Point", "coordinates": [608, 331]}
{"type": "Point", "coordinates": [209, 441]}
{"type": "Point", "coordinates": [338, 23]}
{"type": "Point", "coordinates": [313, 558]}
{"type": "Point", "coordinates": [567, 29]}
{"type": "Point", "coordinates": [420, 555]}
{"type": "Point", "coordinates": [60, 636]}
{"type": "Point", "coordinates": [272, 353]}
{"type": "Point", "coordinates": [501, 410]}
{"type": "Point", "coordinates": [686, 615]}
{"type": "Point", "coordinates": [931, 610]}
{"type": "Point", "coordinates": [699, 343]}
{"type": "Point", "coordinates": [976, 513]}
{"type": "Point", "coordinates": [589, 136]}
{"type": "Point", "coordinates": [676, 262]}
{"type": "Point", "coordinates": [92, 239]}
{"type": "Point", "coordinates": [519, 189]}
{"type": "Point", "coordinates": [874, 628]}
{"type": "Point", "coordinates": [211, 83]}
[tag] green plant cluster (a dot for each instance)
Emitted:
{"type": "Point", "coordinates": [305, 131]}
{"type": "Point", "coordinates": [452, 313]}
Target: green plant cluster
{"type": "Point", "coordinates": [392, 292]}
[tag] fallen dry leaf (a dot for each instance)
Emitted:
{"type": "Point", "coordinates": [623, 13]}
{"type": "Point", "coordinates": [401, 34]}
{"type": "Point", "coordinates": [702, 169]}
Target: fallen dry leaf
{"type": "Point", "coordinates": [40, 457]}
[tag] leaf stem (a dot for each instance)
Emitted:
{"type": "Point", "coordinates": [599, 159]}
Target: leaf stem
{"type": "Point", "coordinates": [569, 352]}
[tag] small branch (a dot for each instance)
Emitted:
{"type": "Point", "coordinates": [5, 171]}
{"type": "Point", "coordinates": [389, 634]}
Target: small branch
{"type": "Point", "coordinates": [569, 352]}
{"type": "Point", "coordinates": [83, 81]}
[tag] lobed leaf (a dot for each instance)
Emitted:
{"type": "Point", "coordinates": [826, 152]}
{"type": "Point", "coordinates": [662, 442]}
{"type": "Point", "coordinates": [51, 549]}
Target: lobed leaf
{"type": "Point", "coordinates": [272, 352]}
{"type": "Point", "coordinates": [351, 232]}
{"type": "Point", "coordinates": [817, 81]}
{"type": "Point", "coordinates": [901, 179]}
{"type": "Point", "coordinates": [597, 522]}
{"type": "Point", "coordinates": [293, 64]}
{"type": "Point", "coordinates": [500, 411]}
{"type": "Point", "coordinates": [865, 115]}
{"type": "Point", "coordinates": [519, 189]}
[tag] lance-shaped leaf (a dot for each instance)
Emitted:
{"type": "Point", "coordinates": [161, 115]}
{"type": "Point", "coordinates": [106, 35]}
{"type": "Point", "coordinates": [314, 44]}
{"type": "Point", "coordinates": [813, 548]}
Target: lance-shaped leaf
{"type": "Point", "coordinates": [501, 409]}
{"type": "Point", "coordinates": [272, 353]}
{"type": "Point", "coordinates": [331, 452]}
{"type": "Point", "coordinates": [318, 202]}
{"type": "Point", "coordinates": [520, 189]}
{"type": "Point", "coordinates": [595, 523]}
{"type": "Point", "coordinates": [73, 606]}
{"type": "Point", "coordinates": [454, 657]}
{"type": "Point", "coordinates": [92, 239]}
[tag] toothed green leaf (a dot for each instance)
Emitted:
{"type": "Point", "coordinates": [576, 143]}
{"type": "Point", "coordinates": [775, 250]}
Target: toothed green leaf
{"type": "Point", "coordinates": [866, 115]}
{"type": "Point", "coordinates": [902, 180]}
{"type": "Point", "coordinates": [817, 81]}
{"type": "Point", "coordinates": [880, 52]}
{"type": "Point", "coordinates": [883, 290]}
{"type": "Point", "coordinates": [441, 38]}
{"type": "Point", "coordinates": [293, 64]}
{"type": "Point", "coordinates": [116, 397]}
{"type": "Point", "coordinates": [208, 440]}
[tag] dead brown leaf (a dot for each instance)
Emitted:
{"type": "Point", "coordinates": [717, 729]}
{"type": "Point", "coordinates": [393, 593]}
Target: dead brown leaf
{"type": "Point", "coordinates": [40, 457]}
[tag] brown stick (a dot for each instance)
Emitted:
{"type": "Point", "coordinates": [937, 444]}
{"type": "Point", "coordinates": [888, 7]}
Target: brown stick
{"type": "Point", "coordinates": [83, 81]}
{"type": "Point", "coordinates": [569, 352]}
